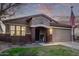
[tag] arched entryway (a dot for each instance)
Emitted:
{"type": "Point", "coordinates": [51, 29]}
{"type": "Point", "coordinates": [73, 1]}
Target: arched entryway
{"type": "Point", "coordinates": [40, 34]}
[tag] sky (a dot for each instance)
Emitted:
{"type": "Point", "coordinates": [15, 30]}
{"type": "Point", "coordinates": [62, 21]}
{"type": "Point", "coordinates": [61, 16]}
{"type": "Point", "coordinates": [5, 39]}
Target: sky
{"type": "Point", "coordinates": [50, 9]}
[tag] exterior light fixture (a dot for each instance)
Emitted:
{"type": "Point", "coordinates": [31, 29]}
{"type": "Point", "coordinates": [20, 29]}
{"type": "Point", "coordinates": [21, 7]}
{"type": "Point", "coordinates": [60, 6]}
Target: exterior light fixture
{"type": "Point", "coordinates": [50, 30]}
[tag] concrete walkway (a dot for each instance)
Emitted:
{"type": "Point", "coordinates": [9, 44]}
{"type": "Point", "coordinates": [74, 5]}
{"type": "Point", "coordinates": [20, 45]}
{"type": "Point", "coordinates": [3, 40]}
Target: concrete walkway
{"type": "Point", "coordinates": [5, 46]}
{"type": "Point", "coordinates": [74, 45]}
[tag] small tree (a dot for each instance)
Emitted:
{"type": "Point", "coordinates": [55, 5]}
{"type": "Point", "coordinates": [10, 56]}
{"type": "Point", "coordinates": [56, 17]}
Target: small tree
{"type": "Point", "coordinates": [7, 9]}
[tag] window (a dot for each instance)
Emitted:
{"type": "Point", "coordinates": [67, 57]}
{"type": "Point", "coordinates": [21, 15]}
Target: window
{"type": "Point", "coordinates": [12, 30]}
{"type": "Point", "coordinates": [23, 31]}
{"type": "Point", "coordinates": [17, 30]}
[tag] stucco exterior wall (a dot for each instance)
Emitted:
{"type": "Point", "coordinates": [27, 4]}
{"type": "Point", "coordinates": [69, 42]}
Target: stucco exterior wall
{"type": "Point", "coordinates": [61, 35]}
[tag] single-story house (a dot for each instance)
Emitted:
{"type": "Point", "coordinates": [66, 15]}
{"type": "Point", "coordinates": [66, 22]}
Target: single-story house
{"type": "Point", "coordinates": [35, 28]}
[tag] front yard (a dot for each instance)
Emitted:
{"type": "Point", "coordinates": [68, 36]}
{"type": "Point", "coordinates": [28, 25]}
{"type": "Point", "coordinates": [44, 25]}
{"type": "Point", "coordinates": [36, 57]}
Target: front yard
{"type": "Point", "coordinates": [56, 50]}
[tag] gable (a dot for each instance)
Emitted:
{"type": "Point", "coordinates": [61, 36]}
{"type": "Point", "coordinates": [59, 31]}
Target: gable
{"type": "Point", "coordinates": [40, 20]}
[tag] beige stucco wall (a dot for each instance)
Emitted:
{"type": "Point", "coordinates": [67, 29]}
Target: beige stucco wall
{"type": "Point", "coordinates": [60, 35]}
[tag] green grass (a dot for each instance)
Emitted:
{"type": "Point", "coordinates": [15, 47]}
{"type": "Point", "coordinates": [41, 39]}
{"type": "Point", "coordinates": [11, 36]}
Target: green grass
{"type": "Point", "coordinates": [41, 51]}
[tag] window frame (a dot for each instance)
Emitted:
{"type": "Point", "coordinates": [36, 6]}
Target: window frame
{"type": "Point", "coordinates": [15, 30]}
{"type": "Point", "coordinates": [12, 30]}
{"type": "Point", "coordinates": [18, 30]}
{"type": "Point", "coordinates": [23, 31]}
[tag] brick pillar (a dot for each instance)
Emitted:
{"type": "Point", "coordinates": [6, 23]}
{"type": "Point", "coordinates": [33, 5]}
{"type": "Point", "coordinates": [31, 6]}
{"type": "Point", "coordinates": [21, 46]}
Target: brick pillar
{"type": "Point", "coordinates": [33, 34]}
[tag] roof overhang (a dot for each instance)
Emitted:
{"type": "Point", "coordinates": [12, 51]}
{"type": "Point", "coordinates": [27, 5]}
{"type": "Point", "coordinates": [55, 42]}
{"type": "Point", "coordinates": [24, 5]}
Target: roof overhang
{"type": "Point", "coordinates": [45, 26]}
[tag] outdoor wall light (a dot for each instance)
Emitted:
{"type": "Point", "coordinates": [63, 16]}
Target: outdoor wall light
{"type": "Point", "coordinates": [51, 30]}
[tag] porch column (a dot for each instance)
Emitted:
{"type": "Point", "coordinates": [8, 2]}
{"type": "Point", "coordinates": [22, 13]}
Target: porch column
{"type": "Point", "coordinates": [33, 34]}
{"type": "Point", "coordinates": [49, 36]}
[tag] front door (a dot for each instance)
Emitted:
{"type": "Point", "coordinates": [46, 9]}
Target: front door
{"type": "Point", "coordinates": [37, 31]}
{"type": "Point", "coordinates": [40, 34]}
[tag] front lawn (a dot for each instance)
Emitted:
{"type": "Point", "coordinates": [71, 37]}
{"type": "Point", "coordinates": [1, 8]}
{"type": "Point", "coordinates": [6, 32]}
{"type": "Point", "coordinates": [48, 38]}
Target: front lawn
{"type": "Point", "coordinates": [41, 51]}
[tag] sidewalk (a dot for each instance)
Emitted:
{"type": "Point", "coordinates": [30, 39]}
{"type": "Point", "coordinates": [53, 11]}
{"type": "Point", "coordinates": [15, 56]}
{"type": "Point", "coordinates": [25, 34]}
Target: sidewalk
{"type": "Point", "coordinates": [74, 45]}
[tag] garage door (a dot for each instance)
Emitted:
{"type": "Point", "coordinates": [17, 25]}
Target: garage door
{"type": "Point", "coordinates": [61, 35]}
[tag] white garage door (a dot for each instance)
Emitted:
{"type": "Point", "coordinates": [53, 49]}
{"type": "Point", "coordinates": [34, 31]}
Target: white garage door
{"type": "Point", "coordinates": [60, 35]}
